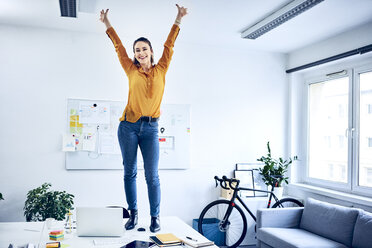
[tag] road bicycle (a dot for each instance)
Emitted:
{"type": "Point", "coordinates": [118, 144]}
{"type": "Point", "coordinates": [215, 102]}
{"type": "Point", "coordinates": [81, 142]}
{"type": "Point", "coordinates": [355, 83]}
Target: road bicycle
{"type": "Point", "coordinates": [229, 219]}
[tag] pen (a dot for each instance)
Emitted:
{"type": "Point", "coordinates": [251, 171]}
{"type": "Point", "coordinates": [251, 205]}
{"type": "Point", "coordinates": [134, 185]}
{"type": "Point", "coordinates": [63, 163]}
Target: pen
{"type": "Point", "coordinates": [191, 239]}
{"type": "Point", "coordinates": [31, 230]}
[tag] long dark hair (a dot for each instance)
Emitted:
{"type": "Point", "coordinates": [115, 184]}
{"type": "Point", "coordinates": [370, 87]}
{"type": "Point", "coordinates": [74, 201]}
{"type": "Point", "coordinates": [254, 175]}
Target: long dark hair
{"type": "Point", "coordinates": [135, 61]}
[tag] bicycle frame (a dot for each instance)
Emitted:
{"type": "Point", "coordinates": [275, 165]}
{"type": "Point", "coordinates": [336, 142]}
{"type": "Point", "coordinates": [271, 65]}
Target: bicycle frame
{"type": "Point", "coordinates": [235, 196]}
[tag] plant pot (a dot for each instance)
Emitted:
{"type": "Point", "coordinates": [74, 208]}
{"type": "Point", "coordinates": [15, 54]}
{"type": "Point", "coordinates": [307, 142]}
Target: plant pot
{"type": "Point", "coordinates": [278, 191]}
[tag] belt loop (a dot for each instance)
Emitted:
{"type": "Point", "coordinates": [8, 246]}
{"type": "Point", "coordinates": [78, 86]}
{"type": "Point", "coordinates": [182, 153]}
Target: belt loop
{"type": "Point", "coordinates": [150, 118]}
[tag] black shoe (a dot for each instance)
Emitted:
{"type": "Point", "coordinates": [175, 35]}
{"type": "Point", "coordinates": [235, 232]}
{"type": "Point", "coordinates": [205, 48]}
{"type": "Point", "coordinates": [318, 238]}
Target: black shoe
{"type": "Point", "coordinates": [155, 224]}
{"type": "Point", "coordinates": [133, 219]}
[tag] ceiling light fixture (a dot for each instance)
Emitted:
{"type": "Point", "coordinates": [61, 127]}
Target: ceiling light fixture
{"type": "Point", "coordinates": [68, 8]}
{"type": "Point", "coordinates": [279, 17]}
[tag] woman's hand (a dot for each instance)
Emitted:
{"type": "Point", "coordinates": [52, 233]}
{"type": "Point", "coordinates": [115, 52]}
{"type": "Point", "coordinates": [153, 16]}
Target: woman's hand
{"type": "Point", "coordinates": [103, 18]}
{"type": "Point", "coordinates": [181, 13]}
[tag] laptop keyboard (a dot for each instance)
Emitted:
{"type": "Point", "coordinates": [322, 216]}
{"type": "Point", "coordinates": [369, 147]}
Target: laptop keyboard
{"type": "Point", "coordinates": [109, 241]}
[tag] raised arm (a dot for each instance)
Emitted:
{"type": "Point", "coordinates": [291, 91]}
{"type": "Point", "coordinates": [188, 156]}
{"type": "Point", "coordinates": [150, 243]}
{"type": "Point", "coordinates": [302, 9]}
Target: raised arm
{"type": "Point", "coordinates": [103, 18]}
{"type": "Point", "coordinates": [169, 44]}
{"type": "Point", "coordinates": [181, 13]}
{"type": "Point", "coordinates": [125, 61]}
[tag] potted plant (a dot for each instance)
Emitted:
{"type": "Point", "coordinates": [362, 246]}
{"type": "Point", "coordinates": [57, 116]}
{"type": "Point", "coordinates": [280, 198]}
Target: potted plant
{"type": "Point", "coordinates": [274, 167]}
{"type": "Point", "coordinates": [43, 203]}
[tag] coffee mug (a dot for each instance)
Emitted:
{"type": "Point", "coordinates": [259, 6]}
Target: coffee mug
{"type": "Point", "coordinates": [50, 222]}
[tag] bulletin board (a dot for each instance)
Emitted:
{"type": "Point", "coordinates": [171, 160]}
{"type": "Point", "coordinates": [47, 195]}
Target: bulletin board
{"type": "Point", "coordinates": [91, 143]}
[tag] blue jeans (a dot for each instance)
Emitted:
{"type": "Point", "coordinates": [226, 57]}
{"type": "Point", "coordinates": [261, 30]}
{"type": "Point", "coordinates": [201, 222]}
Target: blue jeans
{"type": "Point", "coordinates": [145, 135]}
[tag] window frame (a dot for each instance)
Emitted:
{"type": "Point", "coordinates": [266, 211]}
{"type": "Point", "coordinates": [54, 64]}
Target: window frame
{"type": "Point", "coordinates": [314, 78]}
{"type": "Point", "coordinates": [363, 190]}
{"type": "Point", "coordinates": [299, 176]}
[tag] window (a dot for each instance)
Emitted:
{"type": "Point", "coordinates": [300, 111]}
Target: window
{"type": "Point", "coordinates": [326, 126]}
{"type": "Point", "coordinates": [339, 131]}
{"type": "Point", "coordinates": [365, 154]}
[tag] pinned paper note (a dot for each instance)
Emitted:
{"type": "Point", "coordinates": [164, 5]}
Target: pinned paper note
{"type": "Point", "coordinates": [90, 129]}
{"type": "Point", "coordinates": [166, 142]}
{"type": "Point", "coordinates": [78, 143]}
{"type": "Point", "coordinates": [75, 126]}
{"type": "Point", "coordinates": [94, 113]}
{"type": "Point", "coordinates": [73, 112]}
{"type": "Point", "coordinates": [89, 142]}
{"type": "Point", "coordinates": [108, 143]}
{"type": "Point", "coordinates": [68, 143]}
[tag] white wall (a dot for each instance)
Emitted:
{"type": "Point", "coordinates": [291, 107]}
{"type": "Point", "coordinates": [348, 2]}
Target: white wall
{"type": "Point", "coordinates": [344, 42]}
{"type": "Point", "coordinates": [238, 99]}
{"type": "Point", "coordinates": [341, 43]}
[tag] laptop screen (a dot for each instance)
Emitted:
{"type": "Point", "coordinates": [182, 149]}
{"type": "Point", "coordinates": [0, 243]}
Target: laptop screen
{"type": "Point", "coordinates": [99, 222]}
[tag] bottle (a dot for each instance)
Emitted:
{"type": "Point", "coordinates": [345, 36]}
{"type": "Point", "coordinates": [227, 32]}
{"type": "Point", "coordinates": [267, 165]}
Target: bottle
{"type": "Point", "coordinates": [68, 224]}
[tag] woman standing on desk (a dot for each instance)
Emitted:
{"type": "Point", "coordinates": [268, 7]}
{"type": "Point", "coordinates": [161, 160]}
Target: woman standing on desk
{"type": "Point", "coordinates": [139, 126]}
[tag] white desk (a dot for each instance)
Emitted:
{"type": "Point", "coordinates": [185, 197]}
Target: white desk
{"type": "Point", "coordinates": [21, 233]}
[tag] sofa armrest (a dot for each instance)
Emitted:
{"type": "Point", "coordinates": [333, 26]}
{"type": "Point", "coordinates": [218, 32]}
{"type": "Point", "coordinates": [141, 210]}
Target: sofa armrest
{"type": "Point", "coordinates": [279, 217]}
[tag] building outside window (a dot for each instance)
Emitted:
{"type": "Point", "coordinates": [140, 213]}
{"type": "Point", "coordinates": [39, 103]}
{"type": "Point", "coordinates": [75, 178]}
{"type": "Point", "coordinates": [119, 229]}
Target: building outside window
{"type": "Point", "coordinates": [339, 131]}
{"type": "Point", "coordinates": [326, 123]}
{"type": "Point", "coordinates": [365, 154]}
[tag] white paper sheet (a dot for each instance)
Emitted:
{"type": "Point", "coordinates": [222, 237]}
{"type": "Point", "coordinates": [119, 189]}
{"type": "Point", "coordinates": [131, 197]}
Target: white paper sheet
{"type": "Point", "coordinates": [94, 113]}
{"type": "Point", "coordinates": [166, 142]}
{"type": "Point", "coordinates": [68, 143]}
{"type": "Point", "coordinates": [89, 142]}
{"type": "Point", "coordinates": [108, 143]}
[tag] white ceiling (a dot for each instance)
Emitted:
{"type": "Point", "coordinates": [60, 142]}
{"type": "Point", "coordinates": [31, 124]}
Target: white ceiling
{"type": "Point", "coordinates": [212, 22]}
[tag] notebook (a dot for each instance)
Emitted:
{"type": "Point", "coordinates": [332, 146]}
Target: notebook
{"type": "Point", "coordinates": [196, 243]}
{"type": "Point", "coordinates": [99, 222]}
{"type": "Point", "coordinates": [168, 238]}
{"type": "Point", "coordinates": [161, 244]}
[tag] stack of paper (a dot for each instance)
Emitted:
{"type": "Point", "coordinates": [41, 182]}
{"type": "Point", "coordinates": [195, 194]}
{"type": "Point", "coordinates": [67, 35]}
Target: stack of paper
{"type": "Point", "coordinates": [196, 243]}
{"type": "Point", "coordinates": [56, 235]}
{"type": "Point", "coordinates": [166, 239]}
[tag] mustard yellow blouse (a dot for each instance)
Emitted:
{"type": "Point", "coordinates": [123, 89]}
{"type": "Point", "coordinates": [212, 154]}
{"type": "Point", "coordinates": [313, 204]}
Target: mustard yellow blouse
{"type": "Point", "coordinates": [145, 88]}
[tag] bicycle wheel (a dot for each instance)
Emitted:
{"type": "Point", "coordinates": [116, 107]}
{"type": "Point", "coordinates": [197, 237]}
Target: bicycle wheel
{"type": "Point", "coordinates": [288, 203]}
{"type": "Point", "coordinates": [214, 228]}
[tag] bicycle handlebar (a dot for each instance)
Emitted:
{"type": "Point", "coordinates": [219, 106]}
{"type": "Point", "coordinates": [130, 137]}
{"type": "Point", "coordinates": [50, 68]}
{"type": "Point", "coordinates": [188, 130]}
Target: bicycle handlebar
{"type": "Point", "coordinates": [224, 180]}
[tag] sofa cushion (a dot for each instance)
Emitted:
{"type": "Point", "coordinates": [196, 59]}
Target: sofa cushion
{"type": "Point", "coordinates": [329, 220]}
{"type": "Point", "coordinates": [363, 231]}
{"type": "Point", "coordinates": [294, 238]}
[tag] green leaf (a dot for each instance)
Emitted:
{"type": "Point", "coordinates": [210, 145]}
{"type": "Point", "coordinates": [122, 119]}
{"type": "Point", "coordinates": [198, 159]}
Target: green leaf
{"type": "Point", "coordinates": [42, 203]}
{"type": "Point", "coordinates": [273, 167]}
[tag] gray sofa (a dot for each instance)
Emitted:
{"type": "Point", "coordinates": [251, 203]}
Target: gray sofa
{"type": "Point", "coordinates": [318, 224]}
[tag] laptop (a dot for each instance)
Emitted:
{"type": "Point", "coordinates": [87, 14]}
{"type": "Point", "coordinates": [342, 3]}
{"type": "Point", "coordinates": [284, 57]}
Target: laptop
{"type": "Point", "coordinates": [99, 222]}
